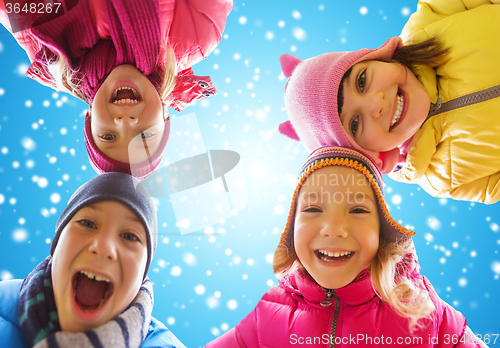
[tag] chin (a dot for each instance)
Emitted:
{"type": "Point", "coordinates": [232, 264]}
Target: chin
{"type": "Point", "coordinates": [332, 283]}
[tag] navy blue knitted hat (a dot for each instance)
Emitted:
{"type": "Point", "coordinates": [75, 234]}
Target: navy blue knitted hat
{"type": "Point", "coordinates": [118, 187]}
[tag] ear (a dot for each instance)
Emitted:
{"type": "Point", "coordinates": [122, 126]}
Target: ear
{"type": "Point", "coordinates": [287, 130]}
{"type": "Point", "coordinates": [288, 64]}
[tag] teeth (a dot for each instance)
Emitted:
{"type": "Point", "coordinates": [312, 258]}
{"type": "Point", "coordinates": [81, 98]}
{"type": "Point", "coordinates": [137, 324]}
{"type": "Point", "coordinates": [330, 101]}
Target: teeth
{"type": "Point", "coordinates": [126, 101]}
{"type": "Point", "coordinates": [334, 254]}
{"type": "Point", "coordinates": [98, 307]}
{"type": "Point", "coordinates": [399, 110]}
{"type": "Point", "coordinates": [136, 96]}
{"type": "Point", "coordinates": [95, 276]}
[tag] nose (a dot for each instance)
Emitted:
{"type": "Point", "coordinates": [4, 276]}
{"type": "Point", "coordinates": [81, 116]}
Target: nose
{"type": "Point", "coordinates": [104, 245]}
{"type": "Point", "coordinates": [122, 120]}
{"type": "Point", "coordinates": [334, 227]}
{"type": "Point", "coordinates": [375, 104]}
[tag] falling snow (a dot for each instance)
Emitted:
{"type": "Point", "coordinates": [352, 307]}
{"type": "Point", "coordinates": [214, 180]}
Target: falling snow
{"type": "Point", "coordinates": [176, 271]}
{"type": "Point", "coordinates": [299, 33]}
{"type": "Point", "coordinates": [5, 275]}
{"type": "Point", "coordinates": [28, 143]}
{"type": "Point", "coordinates": [433, 223]}
{"type": "Point", "coordinates": [232, 304]}
{"type": "Point", "coordinates": [221, 271]}
{"type": "Point", "coordinates": [20, 235]}
{"type": "Point", "coordinates": [55, 198]}
{"type": "Point", "coordinates": [296, 14]}
{"type": "Point", "coordinates": [199, 289]}
{"type": "Point", "coordinates": [396, 199]}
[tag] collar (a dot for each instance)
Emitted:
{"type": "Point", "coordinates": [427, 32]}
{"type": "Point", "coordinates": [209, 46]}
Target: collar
{"type": "Point", "coordinates": [361, 290]}
{"type": "Point", "coordinates": [299, 283]}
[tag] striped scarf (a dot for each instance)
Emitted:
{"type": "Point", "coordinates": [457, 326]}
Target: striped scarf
{"type": "Point", "coordinates": [40, 324]}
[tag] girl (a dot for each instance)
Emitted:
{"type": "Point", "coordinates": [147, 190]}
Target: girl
{"type": "Point", "coordinates": [121, 57]}
{"type": "Point", "coordinates": [93, 290]}
{"type": "Point", "coordinates": [428, 100]}
{"type": "Point", "coordinates": [348, 272]}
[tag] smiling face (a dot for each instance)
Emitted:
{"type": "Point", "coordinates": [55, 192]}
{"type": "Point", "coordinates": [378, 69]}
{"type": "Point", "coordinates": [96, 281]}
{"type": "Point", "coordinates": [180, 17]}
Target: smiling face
{"type": "Point", "coordinates": [127, 116]}
{"type": "Point", "coordinates": [336, 229]}
{"type": "Point", "coordinates": [384, 105]}
{"type": "Point", "coordinates": [105, 241]}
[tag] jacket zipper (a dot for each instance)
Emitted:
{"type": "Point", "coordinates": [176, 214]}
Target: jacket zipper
{"type": "Point", "coordinates": [330, 293]}
{"type": "Point", "coordinates": [469, 99]}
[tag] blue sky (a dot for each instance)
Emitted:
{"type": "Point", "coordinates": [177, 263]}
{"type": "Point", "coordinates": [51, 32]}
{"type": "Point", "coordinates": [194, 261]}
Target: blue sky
{"type": "Point", "coordinates": [206, 281]}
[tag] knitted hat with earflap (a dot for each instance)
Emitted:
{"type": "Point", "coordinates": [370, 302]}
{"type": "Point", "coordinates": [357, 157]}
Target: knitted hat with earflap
{"type": "Point", "coordinates": [340, 156]}
{"type": "Point", "coordinates": [311, 99]}
{"type": "Point", "coordinates": [118, 187]}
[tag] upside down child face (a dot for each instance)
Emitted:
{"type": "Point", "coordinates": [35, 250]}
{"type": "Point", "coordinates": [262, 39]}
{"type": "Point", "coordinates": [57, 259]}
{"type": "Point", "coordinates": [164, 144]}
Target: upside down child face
{"type": "Point", "coordinates": [336, 229]}
{"type": "Point", "coordinates": [384, 105]}
{"type": "Point", "coordinates": [105, 241]}
{"type": "Point", "coordinates": [127, 116]}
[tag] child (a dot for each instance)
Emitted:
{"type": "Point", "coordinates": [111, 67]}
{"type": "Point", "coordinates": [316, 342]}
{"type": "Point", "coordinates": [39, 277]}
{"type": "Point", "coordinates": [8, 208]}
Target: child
{"type": "Point", "coordinates": [428, 100]}
{"type": "Point", "coordinates": [348, 272]}
{"type": "Point", "coordinates": [121, 58]}
{"type": "Point", "coordinates": [93, 290]}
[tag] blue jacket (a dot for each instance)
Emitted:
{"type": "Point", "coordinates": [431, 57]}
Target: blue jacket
{"type": "Point", "coordinates": [12, 335]}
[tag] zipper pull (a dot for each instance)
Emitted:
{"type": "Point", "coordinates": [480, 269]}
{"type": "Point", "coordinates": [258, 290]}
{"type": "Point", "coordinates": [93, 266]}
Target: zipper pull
{"type": "Point", "coordinates": [328, 299]}
{"type": "Point", "coordinates": [435, 107]}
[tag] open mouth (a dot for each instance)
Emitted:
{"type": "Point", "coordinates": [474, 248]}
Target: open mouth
{"type": "Point", "coordinates": [91, 291]}
{"type": "Point", "coordinates": [325, 255]}
{"type": "Point", "coordinates": [399, 110]}
{"type": "Point", "coordinates": [125, 95]}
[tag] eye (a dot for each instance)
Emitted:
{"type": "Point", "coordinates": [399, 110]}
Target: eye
{"type": "Point", "coordinates": [107, 137]}
{"type": "Point", "coordinates": [362, 81]}
{"type": "Point", "coordinates": [360, 211]}
{"type": "Point", "coordinates": [145, 135]}
{"type": "Point", "coordinates": [311, 210]}
{"type": "Point", "coordinates": [354, 125]}
{"type": "Point", "coordinates": [87, 223]}
{"type": "Point", "coordinates": [130, 236]}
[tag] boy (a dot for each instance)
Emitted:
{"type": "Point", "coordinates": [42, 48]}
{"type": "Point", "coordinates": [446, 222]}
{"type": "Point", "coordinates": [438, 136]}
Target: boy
{"type": "Point", "coordinates": [92, 291]}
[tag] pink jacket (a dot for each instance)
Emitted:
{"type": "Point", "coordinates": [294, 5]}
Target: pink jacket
{"type": "Point", "coordinates": [193, 28]}
{"type": "Point", "coordinates": [300, 313]}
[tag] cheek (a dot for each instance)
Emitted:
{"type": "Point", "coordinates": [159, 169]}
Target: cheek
{"type": "Point", "coordinates": [57, 278]}
{"type": "Point", "coordinates": [133, 266]}
{"type": "Point", "coordinates": [154, 114]}
{"type": "Point", "coordinates": [99, 114]}
{"type": "Point", "coordinates": [61, 265]}
{"type": "Point", "coordinates": [371, 247]}
{"type": "Point", "coordinates": [154, 107]}
{"type": "Point", "coordinates": [301, 239]}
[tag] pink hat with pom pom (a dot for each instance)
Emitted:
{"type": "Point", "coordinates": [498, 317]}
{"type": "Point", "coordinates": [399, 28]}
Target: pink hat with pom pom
{"type": "Point", "coordinates": [311, 99]}
{"type": "Point", "coordinates": [104, 164]}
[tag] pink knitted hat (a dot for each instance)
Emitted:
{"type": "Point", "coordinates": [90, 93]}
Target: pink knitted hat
{"type": "Point", "coordinates": [104, 164]}
{"type": "Point", "coordinates": [311, 99]}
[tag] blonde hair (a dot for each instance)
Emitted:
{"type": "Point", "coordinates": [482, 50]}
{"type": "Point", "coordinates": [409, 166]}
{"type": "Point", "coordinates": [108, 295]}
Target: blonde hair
{"type": "Point", "coordinates": [67, 80]}
{"type": "Point", "coordinates": [408, 299]}
{"type": "Point", "coordinates": [402, 294]}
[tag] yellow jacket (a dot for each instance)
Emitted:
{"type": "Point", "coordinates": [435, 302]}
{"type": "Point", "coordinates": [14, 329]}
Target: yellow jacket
{"type": "Point", "coordinates": [457, 153]}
